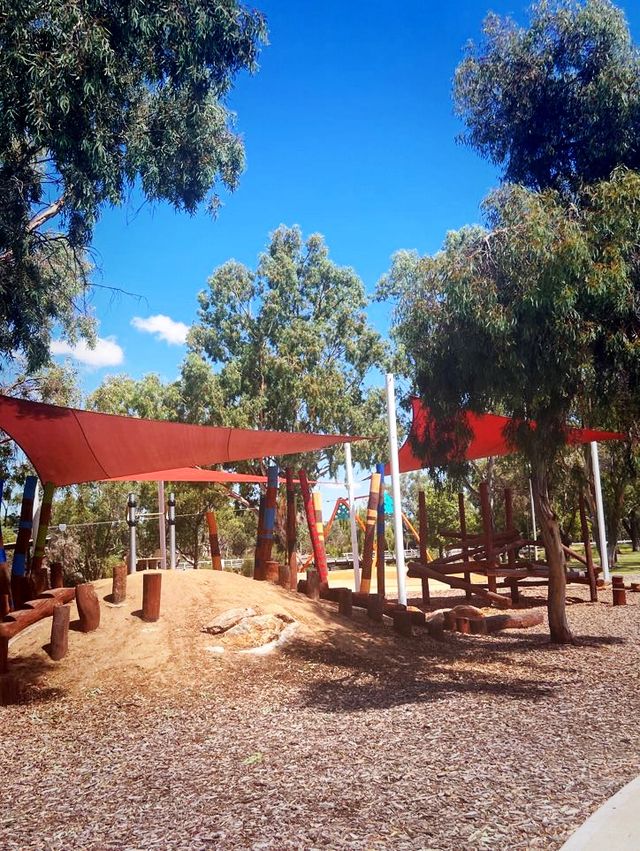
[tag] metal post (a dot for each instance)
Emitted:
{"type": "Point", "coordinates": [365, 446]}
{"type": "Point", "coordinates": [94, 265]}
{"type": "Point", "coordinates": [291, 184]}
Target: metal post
{"type": "Point", "coordinates": [602, 532]}
{"type": "Point", "coordinates": [533, 521]}
{"type": "Point", "coordinates": [395, 489]}
{"type": "Point", "coordinates": [352, 515]}
{"type": "Point", "coordinates": [172, 531]}
{"type": "Point", "coordinates": [162, 529]}
{"type": "Point", "coordinates": [132, 521]}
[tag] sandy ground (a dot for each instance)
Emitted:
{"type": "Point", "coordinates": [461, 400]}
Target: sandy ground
{"type": "Point", "coordinates": [349, 737]}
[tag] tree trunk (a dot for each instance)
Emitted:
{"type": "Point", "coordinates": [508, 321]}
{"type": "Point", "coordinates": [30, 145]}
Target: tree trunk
{"type": "Point", "coordinates": [634, 530]}
{"type": "Point", "coordinates": [550, 533]}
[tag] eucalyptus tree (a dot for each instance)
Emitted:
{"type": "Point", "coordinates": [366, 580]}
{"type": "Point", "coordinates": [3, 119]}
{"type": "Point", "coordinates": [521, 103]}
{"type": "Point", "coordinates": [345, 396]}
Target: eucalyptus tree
{"type": "Point", "coordinates": [96, 98]}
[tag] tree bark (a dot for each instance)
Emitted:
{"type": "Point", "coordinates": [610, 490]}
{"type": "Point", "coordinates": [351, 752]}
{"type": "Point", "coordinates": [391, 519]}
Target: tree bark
{"type": "Point", "coordinates": [550, 533]}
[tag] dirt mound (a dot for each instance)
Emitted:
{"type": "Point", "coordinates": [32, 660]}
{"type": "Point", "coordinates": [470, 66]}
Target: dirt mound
{"type": "Point", "coordinates": [125, 652]}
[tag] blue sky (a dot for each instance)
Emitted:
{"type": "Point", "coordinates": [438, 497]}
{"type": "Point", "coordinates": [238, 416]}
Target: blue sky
{"type": "Point", "coordinates": [349, 131]}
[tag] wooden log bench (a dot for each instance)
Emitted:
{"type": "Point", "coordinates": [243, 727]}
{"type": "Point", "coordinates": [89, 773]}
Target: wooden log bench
{"type": "Point", "coordinates": [32, 612]}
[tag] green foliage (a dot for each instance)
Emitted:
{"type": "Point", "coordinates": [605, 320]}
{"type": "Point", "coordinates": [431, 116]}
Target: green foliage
{"type": "Point", "coordinates": [95, 97]}
{"type": "Point", "coordinates": [558, 103]}
{"type": "Point", "coordinates": [536, 317]}
{"type": "Point", "coordinates": [290, 345]}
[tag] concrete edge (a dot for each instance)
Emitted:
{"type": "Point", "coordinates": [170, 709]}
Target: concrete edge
{"type": "Point", "coordinates": [615, 826]}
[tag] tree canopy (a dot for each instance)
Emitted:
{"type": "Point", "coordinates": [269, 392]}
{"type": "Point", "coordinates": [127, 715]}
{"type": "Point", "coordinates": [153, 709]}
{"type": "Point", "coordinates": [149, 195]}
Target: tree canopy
{"type": "Point", "coordinates": [96, 97]}
{"type": "Point", "coordinates": [290, 344]}
{"type": "Point", "coordinates": [557, 103]}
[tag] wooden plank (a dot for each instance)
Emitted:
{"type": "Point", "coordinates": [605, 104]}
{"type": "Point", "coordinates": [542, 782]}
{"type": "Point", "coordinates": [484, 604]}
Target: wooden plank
{"type": "Point", "coordinates": [490, 596]}
{"type": "Point", "coordinates": [369, 534]}
{"type": "Point", "coordinates": [591, 574]}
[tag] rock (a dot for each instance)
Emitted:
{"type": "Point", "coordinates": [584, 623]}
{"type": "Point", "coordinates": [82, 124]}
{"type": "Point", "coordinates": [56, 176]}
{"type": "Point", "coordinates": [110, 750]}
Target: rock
{"type": "Point", "coordinates": [227, 620]}
{"type": "Point", "coordinates": [256, 631]}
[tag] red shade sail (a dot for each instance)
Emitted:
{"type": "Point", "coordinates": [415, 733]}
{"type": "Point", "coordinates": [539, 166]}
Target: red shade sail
{"type": "Point", "coordinates": [193, 474]}
{"type": "Point", "coordinates": [68, 446]}
{"type": "Point", "coordinates": [488, 436]}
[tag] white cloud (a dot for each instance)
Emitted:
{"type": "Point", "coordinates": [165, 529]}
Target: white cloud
{"type": "Point", "coordinates": [163, 328]}
{"type": "Point", "coordinates": [106, 352]}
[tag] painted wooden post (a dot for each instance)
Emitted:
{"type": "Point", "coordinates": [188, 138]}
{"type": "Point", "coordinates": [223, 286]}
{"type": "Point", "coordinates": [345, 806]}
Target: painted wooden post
{"type": "Point", "coordinates": [591, 574]}
{"type": "Point", "coordinates": [463, 541]}
{"type": "Point", "coordinates": [292, 531]}
{"type": "Point", "coordinates": [41, 539]}
{"type": "Point", "coordinates": [424, 534]}
{"type": "Point", "coordinates": [316, 530]}
{"type": "Point", "coordinates": [370, 533]}
{"type": "Point", "coordinates": [214, 543]}
{"type": "Point", "coordinates": [258, 567]}
{"type": "Point", "coordinates": [21, 587]}
{"type": "Point", "coordinates": [265, 534]}
{"type": "Point", "coordinates": [487, 527]}
{"type": "Point", "coordinates": [151, 593]}
{"type": "Point", "coordinates": [380, 540]}
{"type": "Point", "coordinates": [5, 572]}
{"type": "Point", "coordinates": [60, 632]}
{"type": "Point", "coordinates": [162, 527]}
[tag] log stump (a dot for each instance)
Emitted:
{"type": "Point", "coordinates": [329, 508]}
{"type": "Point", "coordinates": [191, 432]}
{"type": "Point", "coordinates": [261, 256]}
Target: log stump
{"type": "Point", "coordinates": [151, 593]}
{"type": "Point", "coordinates": [4, 655]}
{"type": "Point", "coordinates": [56, 578]}
{"type": "Point", "coordinates": [283, 575]}
{"type": "Point", "coordinates": [119, 584]}
{"type": "Point", "coordinates": [402, 622]}
{"type": "Point", "coordinates": [617, 581]}
{"type": "Point", "coordinates": [5, 606]}
{"type": "Point", "coordinates": [60, 632]}
{"type": "Point", "coordinates": [88, 607]}
{"type": "Point", "coordinates": [375, 608]}
{"type": "Point", "coordinates": [478, 626]}
{"type": "Point", "coordinates": [463, 625]}
{"type": "Point", "coordinates": [345, 602]}
{"type": "Point", "coordinates": [272, 571]}
{"type": "Point", "coordinates": [635, 587]}
{"type": "Point", "coordinates": [619, 597]}
{"type": "Point", "coordinates": [313, 585]}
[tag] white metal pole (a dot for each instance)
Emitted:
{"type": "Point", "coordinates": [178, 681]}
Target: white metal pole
{"type": "Point", "coordinates": [395, 489]}
{"type": "Point", "coordinates": [348, 465]}
{"type": "Point", "coordinates": [132, 520]}
{"type": "Point", "coordinates": [162, 529]}
{"type": "Point", "coordinates": [172, 531]}
{"type": "Point", "coordinates": [37, 505]}
{"type": "Point", "coordinates": [602, 532]}
{"type": "Point", "coordinates": [533, 521]}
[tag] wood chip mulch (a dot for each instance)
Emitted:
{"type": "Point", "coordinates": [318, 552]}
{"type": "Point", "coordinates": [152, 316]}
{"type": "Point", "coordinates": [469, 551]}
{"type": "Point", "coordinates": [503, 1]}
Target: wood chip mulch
{"type": "Point", "coordinates": [501, 742]}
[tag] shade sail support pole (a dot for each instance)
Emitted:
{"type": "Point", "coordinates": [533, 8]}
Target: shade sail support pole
{"type": "Point", "coordinates": [348, 465]}
{"type": "Point", "coordinates": [395, 489]}
{"type": "Point", "coordinates": [132, 522]}
{"type": "Point", "coordinates": [172, 531]}
{"type": "Point", "coordinates": [162, 529]}
{"type": "Point", "coordinates": [602, 532]}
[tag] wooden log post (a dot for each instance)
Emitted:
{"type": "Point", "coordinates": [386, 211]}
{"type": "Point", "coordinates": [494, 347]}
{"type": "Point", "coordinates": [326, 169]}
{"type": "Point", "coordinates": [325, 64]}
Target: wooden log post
{"type": "Point", "coordinates": [283, 575]}
{"type": "Point", "coordinates": [375, 607]}
{"type": "Point", "coordinates": [258, 566]}
{"type": "Point", "coordinates": [463, 541]}
{"type": "Point", "coordinates": [423, 526]}
{"type": "Point", "coordinates": [21, 587]}
{"type": "Point", "coordinates": [88, 607]}
{"type": "Point", "coordinates": [265, 531]}
{"type": "Point", "coordinates": [370, 533]}
{"type": "Point", "coordinates": [56, 574]}
{"type": "Point", "coordinates": [119, 584]}
{"type": "Point", "coordinates": [402, 622]}
{"type": "Point", "coordinates": [38, 573]}
{"type": "Point", "coordinates": [617, 581]}
{"type": "Point", "coordinates": [381, 543]}
{"type": "Point", "coordinates": [487, 528]}
{"type": "Point", "coordinates": [151, 594]}
{"type": "Point", "coordinates": [4, 654]}
{"type": "Point", "coordinates": [463, 625]}
{"type": "Point", "coordinates": [313, 585]}
{"type": "Point", "coordinates": [591, 573]}
{"type": "Point", "coordinates": [619, 596]}
{"type": "Point", "coordinates": [214, 542]}
{"type": "Point", "coordinates": [272, 571]}
{"type": "Point", "coordinates": [478, 626]}
{"type": "Point", "coordinates": [316, 529]}
{"type": "Point", "coordinates": [511, 556]}
{"type": "Point", "coordinates": [5, 571]}
{"type": "Point", "coordinates": [345, 602]}
{"type": "Point", "coordinates": [292, 531]}
{"type": "Point", "coordinates": [60, 632]}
